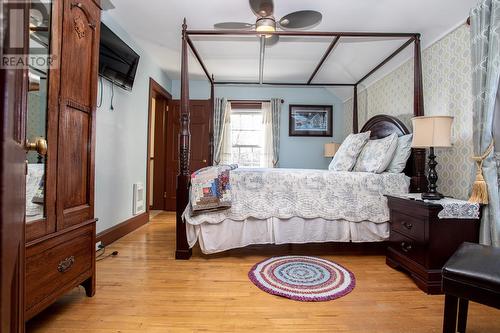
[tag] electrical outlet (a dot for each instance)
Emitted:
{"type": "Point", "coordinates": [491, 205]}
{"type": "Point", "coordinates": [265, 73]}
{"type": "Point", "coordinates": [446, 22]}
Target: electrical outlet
{"type": "Point", "coordinates": [98, 246]}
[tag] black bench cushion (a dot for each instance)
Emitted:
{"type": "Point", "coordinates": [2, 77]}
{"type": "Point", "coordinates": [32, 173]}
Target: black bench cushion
{"type": "Point", "coordinates": [476, 265]}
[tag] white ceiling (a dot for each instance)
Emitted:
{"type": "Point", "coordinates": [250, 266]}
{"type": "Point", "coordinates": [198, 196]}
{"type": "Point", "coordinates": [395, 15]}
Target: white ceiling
{"type": "Point", "coordinates": [156, 26]}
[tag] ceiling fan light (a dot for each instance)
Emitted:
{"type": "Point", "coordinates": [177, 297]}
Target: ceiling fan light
{"type": "Point", "coordinates": [265, 25]}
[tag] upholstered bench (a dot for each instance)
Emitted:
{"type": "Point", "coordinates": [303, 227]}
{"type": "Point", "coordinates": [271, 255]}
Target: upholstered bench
{"type": "Point", "coordinates": [471, 274]}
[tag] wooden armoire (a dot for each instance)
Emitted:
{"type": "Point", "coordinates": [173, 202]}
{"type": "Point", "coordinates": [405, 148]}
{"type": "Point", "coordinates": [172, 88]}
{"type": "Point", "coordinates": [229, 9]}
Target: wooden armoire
{"type": "Point", "coordinates": [60, 244]}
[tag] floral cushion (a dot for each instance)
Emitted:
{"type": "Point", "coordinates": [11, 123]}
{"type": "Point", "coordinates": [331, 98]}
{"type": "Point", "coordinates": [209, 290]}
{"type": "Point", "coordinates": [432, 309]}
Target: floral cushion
{"type": "Point", "coordinates": [345, 158]}
{"type": "Point", "coordinates": [403, 152]}
{"type": "Point", "coordinates": [377, 154]}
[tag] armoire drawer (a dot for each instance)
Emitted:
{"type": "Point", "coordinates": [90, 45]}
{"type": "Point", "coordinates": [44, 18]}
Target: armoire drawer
{"type": "Point", "coordinates": [56, 264]}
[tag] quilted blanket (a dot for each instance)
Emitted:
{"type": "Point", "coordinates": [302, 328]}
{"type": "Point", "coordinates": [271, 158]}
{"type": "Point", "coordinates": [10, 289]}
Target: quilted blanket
{"type": "Point", "coordinates": [211, 188]}
{"type": "Point", "coordinates": [284, 193]}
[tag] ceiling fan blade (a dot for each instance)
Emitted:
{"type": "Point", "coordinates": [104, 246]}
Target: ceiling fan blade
{"type": "Point", "coordinates": [301, 19]}
{"type": "Point", "coordinates": [233, 25]}
{"type": "Point", "coordinates": [272, 40]}
{"type": "Point", "coordinates": [262, 7]}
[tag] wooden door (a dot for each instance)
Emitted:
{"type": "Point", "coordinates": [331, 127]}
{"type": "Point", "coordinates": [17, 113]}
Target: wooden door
{"type": "Point", "coordinates": [13, 88]}
{"type": "Point", "coordinates": [172, 158]}
{"type": "Point", "coordinates": [200, 134]}
{"type": "Point", "coordinates": [158, 181]}
{"type": "Point", "coordinates": [80, 33]}
{"type": "Point", "coordinates": [200, 143]}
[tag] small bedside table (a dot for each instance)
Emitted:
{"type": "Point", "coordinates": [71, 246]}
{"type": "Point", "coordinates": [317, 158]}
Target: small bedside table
{"type": "Point", "coordinates": [420, 242]}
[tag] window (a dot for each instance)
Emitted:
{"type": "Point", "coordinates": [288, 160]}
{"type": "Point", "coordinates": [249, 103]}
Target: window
{"type": "Point", "coordinates": [247, 137]}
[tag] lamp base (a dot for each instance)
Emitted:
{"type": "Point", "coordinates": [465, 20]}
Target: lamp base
{"type": "Point", "coordinates": [432, 196]}
{"type": "Point", "coordinates": [432, 193]}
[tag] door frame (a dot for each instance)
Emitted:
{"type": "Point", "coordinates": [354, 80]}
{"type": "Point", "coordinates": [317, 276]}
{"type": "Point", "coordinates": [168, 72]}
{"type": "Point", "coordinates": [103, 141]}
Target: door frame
{"type": "Point", "coordinates": [155, 89]}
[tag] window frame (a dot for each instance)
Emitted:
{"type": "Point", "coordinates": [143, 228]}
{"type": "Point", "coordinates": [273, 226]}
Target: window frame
{"type": "Point", "coordinates": [241, 108]}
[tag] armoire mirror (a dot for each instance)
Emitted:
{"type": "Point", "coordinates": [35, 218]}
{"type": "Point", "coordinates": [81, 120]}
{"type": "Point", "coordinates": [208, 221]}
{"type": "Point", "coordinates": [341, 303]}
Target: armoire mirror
{"type": "Point", "coordinates": [37, 96]}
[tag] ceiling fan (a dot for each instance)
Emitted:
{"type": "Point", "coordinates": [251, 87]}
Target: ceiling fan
{"type": "Point", "coordinates": [266, 22]}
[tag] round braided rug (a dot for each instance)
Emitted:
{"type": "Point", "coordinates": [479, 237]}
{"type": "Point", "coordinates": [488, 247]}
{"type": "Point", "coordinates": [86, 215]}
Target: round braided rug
{"type": "Point", "coordinates": [302, 278]}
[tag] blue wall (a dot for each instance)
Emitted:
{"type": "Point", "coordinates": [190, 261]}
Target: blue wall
{"type": "Point", "coordinates": [295, 152]}
{"type": "Point", "coordinates": [121, 137]}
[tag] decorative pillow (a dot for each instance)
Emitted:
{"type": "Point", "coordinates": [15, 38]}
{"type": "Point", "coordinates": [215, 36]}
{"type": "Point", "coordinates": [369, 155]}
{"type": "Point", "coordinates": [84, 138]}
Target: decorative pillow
{"type": "Point", "coordinates": [402, 154]}
{"type": "Point", "coordinates": [377, 154]}
{"type": "Point", "coordinates": [211, 188]}
{"type": "Point", "coordinates": [345, 158]}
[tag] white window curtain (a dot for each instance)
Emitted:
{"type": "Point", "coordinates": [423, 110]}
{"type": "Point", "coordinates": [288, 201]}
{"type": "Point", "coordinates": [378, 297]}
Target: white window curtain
{"type": "Point", "coordinates": [222, 131]}
{"type": "Point", "coordinates": [267, 122]}
{"type": "Point", "coordinates": [226, 147]}
{"type": "Point", "coordinates": [271, 112]}
{"type": "Point", "coordinates": [485, 44]}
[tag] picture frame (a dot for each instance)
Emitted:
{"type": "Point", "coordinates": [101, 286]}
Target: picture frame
{"type": "Point", "coordinates": [310, 120]}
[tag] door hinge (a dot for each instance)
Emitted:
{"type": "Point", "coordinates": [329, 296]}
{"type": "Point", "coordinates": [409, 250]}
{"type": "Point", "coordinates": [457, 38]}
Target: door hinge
{"type": "Point", "coordinates": [164, 195]}
{"type": "Point", "coordinates": [167, 108]}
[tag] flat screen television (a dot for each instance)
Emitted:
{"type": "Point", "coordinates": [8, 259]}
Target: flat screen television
{"type": "Point", "coordinates": [117, 61]}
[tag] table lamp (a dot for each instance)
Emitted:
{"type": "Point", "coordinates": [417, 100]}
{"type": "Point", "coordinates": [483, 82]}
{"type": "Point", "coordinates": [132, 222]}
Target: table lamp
{"type": "Point", "coordinates": [331, 148]}
{"type": "Point", "coordinates": [432, 132]}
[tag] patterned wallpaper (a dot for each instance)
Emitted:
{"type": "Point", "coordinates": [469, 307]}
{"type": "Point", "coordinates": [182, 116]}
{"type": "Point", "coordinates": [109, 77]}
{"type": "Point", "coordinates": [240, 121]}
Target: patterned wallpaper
{"type": "Point", "coordinates": [447, 91]}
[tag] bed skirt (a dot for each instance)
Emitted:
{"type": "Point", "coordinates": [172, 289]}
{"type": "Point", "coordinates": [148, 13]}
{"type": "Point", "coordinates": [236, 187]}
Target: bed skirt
{"type": "Point", "coordinates": [295, 230]}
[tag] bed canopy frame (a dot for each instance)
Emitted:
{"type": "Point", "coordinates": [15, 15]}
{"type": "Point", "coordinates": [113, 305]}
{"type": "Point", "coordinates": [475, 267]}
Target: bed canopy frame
{"type": "Point", "coordinates": [383, 123]}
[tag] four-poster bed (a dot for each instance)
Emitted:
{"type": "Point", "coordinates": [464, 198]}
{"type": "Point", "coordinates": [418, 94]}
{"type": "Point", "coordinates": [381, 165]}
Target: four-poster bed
{"type": "Point", "coordinates": [380, 126]}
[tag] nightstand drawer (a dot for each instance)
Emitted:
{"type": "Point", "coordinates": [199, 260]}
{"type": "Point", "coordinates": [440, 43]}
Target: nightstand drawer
{"type": "Point", "coordinates": [407, 247]}
{"type": "Point", "coordinates": [413, 227]}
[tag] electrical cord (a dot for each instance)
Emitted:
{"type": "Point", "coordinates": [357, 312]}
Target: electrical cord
{"type": "Point", "coordinates": [103, 248]}
{"type": "Point", "coordinates": [112, 95]}
{"type": "Point", "coordinates": [102, 91]}
{"type": "Point", "coordinates": [112, 254]}
{"type": "Point", "coordinates": [101, 255]}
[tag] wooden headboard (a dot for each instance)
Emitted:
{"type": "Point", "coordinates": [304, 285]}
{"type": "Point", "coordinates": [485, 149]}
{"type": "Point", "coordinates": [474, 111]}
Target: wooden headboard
{"type": "Point", "coordinates": [384, 125]}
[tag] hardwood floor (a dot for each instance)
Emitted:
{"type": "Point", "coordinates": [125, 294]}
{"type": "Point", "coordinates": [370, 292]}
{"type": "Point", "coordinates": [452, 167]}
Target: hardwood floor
{"type": "Point", "coordinates": [144, 289]}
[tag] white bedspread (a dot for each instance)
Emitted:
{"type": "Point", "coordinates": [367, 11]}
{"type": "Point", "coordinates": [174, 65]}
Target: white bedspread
{"type": "Point", "coordinates": [231, 234]}
{"type": "Point", "coordinates": [286, 193]}
{"type": "Point", "coordinates": [36, 172]}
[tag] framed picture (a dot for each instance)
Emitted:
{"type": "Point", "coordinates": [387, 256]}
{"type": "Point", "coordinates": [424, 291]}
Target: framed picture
{"type": "Point", "coordinates": [310, 120]}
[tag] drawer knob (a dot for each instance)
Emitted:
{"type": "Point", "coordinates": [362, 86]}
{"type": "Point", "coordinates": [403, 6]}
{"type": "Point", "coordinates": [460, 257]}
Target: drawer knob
{"type": "Point", "coordinates": [406, 247]}
{"type": "Point", "coordinates": [66, 264]}
{"type": "Point", "coordinates": [407, 225]}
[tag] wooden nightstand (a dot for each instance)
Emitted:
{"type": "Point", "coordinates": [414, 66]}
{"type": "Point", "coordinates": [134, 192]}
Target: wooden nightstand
{"type": "Point", "coordinates": [420, 242]}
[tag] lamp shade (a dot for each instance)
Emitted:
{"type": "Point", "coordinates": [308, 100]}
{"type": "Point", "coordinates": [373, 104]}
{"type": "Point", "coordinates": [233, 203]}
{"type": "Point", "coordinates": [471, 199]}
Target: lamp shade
{"type": "Point", "coordinates": [431, 131]}
{"type": "Point", "coordinates": [331, 148]}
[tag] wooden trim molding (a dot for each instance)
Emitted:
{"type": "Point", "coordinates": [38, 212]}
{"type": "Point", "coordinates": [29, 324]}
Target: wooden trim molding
{"type": "Point", "coordinates": [155, 90]}
{"type": "Point", "coordinates": [116, 232]}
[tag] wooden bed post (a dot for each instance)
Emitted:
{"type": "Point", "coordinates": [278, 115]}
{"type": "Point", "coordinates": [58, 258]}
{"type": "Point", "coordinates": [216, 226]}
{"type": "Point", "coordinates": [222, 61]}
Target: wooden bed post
{"type": "Point", "coordinates": [183, 178]}
{"type": "Point", "coordinates": [355, 110]}
{"type": "Point", "coordinates": [210, 125]}
{"type": "Point", "coordinates": [418, 181]}
{"type": "Point", "coordinates": [418, 86]}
